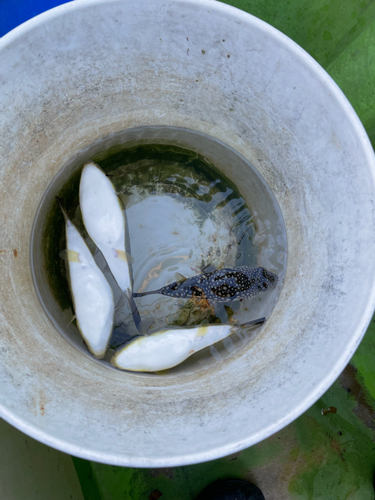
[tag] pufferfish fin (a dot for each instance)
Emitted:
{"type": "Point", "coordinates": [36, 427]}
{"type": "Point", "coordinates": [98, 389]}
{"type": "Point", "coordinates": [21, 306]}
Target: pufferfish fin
{"type": "Point", "coordinates": [122, 301]}
{"type": "Point", "coordinates": [180, 278]}
{"type": "Point", "coordinates": [70, 256]}
{"type": "Point", "coordinates": [125, 256]}
{"type": "Point", "coordinates": [124, 199]}
{"type": "Point", "coordinates": [162, 372]}
{"type": "Point", "coordinates": [205, 322]}
{"type": "Point", "coordinates": [71, 321]}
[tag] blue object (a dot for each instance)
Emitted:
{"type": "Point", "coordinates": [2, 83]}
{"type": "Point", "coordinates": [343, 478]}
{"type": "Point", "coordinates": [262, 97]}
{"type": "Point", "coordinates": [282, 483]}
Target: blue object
{"type": "Point", "coordinates": [15, 12]}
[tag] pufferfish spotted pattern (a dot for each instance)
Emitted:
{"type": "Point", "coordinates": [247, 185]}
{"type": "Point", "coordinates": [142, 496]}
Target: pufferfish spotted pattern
{"type": "Point", "coordinates": [224, 285]}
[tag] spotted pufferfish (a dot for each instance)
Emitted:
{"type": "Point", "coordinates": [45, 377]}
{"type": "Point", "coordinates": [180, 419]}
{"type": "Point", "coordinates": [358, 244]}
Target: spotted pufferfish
{"type": "Point", "coordinates": [222, 285]}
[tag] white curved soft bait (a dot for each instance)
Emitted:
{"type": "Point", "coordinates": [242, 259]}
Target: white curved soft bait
{"type": "Point", "coordinates": [92, 296]}
{"type": "Point", "coordinates": [167, 348]}
{"type": "Point", "coordinates": [104, 220]}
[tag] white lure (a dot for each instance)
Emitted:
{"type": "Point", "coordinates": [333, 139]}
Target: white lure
{"type": "Point", "coordinates": [92, 296]}
{"type": "Point", "coordinates": [104, 220]}
{"type": "Point", "coordinates": [167, 348]}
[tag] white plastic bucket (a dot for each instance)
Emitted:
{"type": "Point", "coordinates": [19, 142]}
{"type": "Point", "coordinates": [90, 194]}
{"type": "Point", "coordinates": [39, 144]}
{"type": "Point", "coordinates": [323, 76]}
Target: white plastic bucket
{"type": "Point", "coordinates": [89, 69]}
